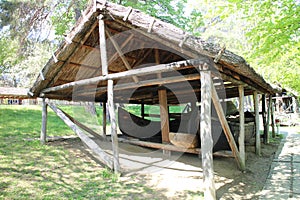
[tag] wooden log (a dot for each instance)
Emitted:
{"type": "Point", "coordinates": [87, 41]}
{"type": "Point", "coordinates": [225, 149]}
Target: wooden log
{"type": "Point", "coordinates": [44, 122]}
{"type": "Point", "coordinates": [104, 118]}
{"type": "Point", "coordinates": [257, 132]}
{"type": "Point", "coordinates": [272, 118]}
{"type": "Point", "coordinates": [226, 128]}
{"type": "Point", "coordinates": [133, 72]}
{"type": "Point", "coordinates": [206, 136]}
{"type": "Point", "coordinates": [268, 118]}
{"type": "Point", "coordinates": [242, 125]}
{"type": "Point", "coordinates": [265, 136]}
{"type": "Point", "coordinates": [101, 155]}
{"type": "Point", "coordinates": [84, 127]}
{"type": "Point", "coordinates": [113, 122]}
{"type": "Point", "coordinates": [120, 53]}
{"type": "Point", "coordinates": [164, 117]}
{"type": "Point", "coordinates": [103, 51]}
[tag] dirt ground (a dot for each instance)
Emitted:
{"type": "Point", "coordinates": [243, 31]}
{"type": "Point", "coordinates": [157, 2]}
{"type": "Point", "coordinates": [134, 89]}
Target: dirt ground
{"type": "Point", "coordinates": [179, 176]}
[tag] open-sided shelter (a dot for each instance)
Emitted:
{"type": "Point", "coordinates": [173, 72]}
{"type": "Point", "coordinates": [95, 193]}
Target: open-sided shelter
{"type": "Point", "coordinates": [116, 54]}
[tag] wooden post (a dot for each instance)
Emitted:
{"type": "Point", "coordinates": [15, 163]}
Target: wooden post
{"type": "Point", "coordinates": [242, 125]}
{"type": "Point", "coordinates": [114, 135]}
{"type": "Point", "coordinates": [272, 118]}
{"type": "Point", "coordinates": [104, 118]}
{"type": "Point", "coordinates": [101, 155]}
{"type": "Point", "coordinates": [164, 117]}
{"type": "Point", "coordinates": [206, 136]}
{"type": "Point", "coordinates": [44, 122]}
{"type": "Point", "coordinates": [264, 118]}
{"type": "Point", "coordinates": [268, 118]}
{"type": "Point", "coordinates": [103, 52]}
{"type": "Point", "coordinates": [226, 128]}
{"type": "Point", "coordinates": [257, 133]}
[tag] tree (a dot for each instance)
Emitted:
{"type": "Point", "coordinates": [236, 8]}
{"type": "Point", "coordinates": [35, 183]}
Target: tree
{"type": "Point", "coordinates": [267, 34]}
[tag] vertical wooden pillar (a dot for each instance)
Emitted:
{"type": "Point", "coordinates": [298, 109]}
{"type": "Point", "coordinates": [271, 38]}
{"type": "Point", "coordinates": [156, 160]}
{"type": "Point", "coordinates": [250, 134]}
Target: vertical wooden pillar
{"type": "Point", "coordinates": [164, 117]}
{"type": "Point", "coordinates": [44, 122]}
{"type": "Point", "coordinates": [206, 136]}
{"type": "Point", "coordinates": [242, 125]}
{"type": "Point", "coordinates": [264, 118]}
{"type": "Point", "coordinates": [104, 118]}
{"type": "Point", "coordinates": [268, 118]}
{"type": "Point", "coordinates": [102, 41]}
{"type": "Point", "coordinates": [272, 118]}
{"type": "Point", "coordinates": [257, 133]}
{"type": "Point", "coordinates": [114, 135]}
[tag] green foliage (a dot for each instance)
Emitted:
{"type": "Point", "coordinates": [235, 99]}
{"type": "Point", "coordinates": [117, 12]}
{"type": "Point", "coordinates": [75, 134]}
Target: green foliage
{"type": "Point", "coordinates": [266, 32]}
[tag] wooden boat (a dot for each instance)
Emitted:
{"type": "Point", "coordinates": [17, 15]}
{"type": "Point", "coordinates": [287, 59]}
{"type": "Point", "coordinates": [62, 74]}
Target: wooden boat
{"type": "Point", "coordinates": [183, 133]}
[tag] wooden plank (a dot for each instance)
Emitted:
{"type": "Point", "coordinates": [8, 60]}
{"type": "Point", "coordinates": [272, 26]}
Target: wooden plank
{"type": "Point", "coordinates": [242, 125]}
{"type": "Point", "coordinates": [257, 132]}
{"type": "Point", "coordinates": [44, 122]}
{"type": "Point", "coordinates": [120, 53]}
{"type": "Point", "coordinates": [133, 72]}
{"type": "Point", "coordinates": [104, 118]}
{"type": "Point", "coordinates": [206, 136]}
{"type": "Point", "coordinates": [164, 117]}
{"type": "Point", "coordinates": [101, 155]}
{"type": "Point", "coordinates": [103, 51]}
{"type": "Point", "coordinates": [113, 122]}
{"type": "Point", "coordinates": [226, 128]}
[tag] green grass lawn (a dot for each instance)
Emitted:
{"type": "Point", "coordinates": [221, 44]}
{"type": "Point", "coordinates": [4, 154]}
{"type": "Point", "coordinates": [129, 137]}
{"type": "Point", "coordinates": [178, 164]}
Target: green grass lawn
{"type": "Point", "coordinates": [29, 170]}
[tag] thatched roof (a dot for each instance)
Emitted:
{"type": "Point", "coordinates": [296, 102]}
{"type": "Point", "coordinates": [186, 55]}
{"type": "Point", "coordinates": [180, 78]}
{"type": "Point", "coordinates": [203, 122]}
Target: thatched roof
{"type": "Point", "coordinates": [14, 93]}
{"type": "Point", "coordinates": [143, 40]}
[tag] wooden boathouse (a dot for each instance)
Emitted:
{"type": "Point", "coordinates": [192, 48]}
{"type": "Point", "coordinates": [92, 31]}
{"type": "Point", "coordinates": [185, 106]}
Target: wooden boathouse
{"type": "Point", "coordinates": [116, 54]}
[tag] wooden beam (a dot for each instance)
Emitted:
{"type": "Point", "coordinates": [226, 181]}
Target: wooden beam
{"type": "Point", "coordinates": [206, 136]}
{"type": "Point", "coordinates": [101, 155]}
{"type": "Point", "coordinates": [272, 117]}
{"type": "Point", "coordinates": [120, 53]}
{"type": "Point", "coordinates": [104, 118]}
{"type": "Point", "coordinates": [164, 117]}
{"type": "Point", "coordinates": [114, 56]}
{"type": "Point", "coordinates": [157, 61]}
{"type": "Point", "coordinates": [226, 128]}
{"type": "Point", "coordinates": [44, 122]}
{"type": "Point", "coordinates": [133, 72]}
{"type": "Point", "coordinates": [257, 132]}
{"type": "Point", "coordinates": [113, 122]}
{"type": "Point", "coordinates": [242, 125]}
{"type": "Point", "coordinates": [103, 50]}
{"type": "Point", "coordinates": [264, 118]}
{"type": "Point", "coordinates": [268, 118]}
{"type": "Point", "coordinates": [84, 127]}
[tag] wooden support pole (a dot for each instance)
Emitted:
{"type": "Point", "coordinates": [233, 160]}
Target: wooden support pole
{"type": "Point", "coordinates": [272, 118]}
{"type": "Point", "coordinates": [265, 136]}
{"type": "Point", "coordinates": [103, 52]}
{"type": "Point", "coordinates": [104, 118]}
{"type": "Point", "coordinates": [226, 128]}
{"type": "Point", "coordinates": [206, 136]}
{"type": "Point", "coordinates": [44, 122]}
{"type": "Point", "coordinates": [268, 118]}
{"type": "Point", "coordinates": [133, 72]}
{"type": "Point", "coordinates": [242, 125]}
{"type": "Point", "coordinates": [257, 132]}
{"type": "Point", "coordinates": [164, 117]}
{"type": "Point", "coordinates": [113, 122]}
{"type": "Point", "coordinates": [124, 60]}
{"type": "Point", "coordinates": [101, 155]}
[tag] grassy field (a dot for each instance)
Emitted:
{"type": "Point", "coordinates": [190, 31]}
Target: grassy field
{"type": "Point", "coordinates": [29, 170]}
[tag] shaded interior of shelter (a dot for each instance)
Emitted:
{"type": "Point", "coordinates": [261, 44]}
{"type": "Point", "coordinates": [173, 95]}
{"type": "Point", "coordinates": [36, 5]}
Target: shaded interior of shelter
{"type": "Point", "coordinates": [139, 51]}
